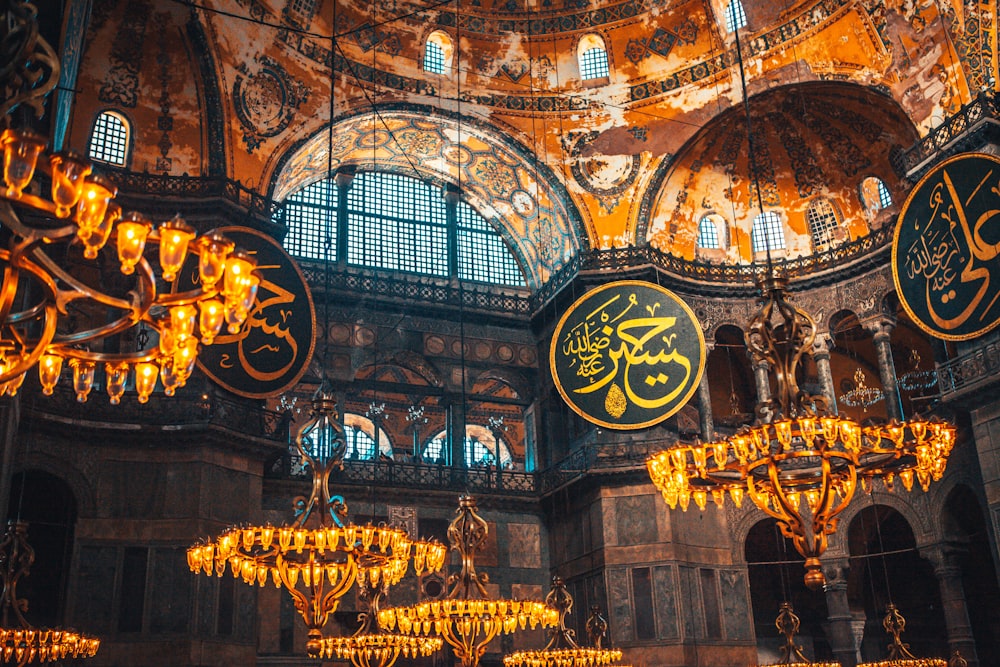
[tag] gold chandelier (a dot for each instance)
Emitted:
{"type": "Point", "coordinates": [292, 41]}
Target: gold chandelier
{"type": "Point", "coordinates": [800, 464]}
{"type": "Point", "coordinates": [26, 644]}
{"type": "Point", "coordinates": [371, 646]}
{"type": "Point", "coordinates": [54, 200]}
{"type": "Point", "coordinates": [468, 619]}
{"type": "Point", "coordinates": [899, 653]}
{"type": "Point", "coordinates": [318, 557]}
{"type": "Point", "coordinates": [562, 650]}
{"type": "Point", "coordinates": [788, 624]}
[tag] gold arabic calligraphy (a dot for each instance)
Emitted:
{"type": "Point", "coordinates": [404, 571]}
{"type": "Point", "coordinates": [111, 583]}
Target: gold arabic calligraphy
{"type": "Point", "coordinates": [607, 343]}
{"type": "Point", "coordinates": [270, 317]}
{"type": "Point", "coordinates": [955, 249]}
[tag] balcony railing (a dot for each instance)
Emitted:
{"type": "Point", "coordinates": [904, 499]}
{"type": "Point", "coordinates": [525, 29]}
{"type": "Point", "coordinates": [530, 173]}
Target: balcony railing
{"type": "Point", "coordinates": [161, 411]}
{"type": "Point", "coordinates": [956, 134]}
{"type": "Point", "coordinates": [969, 371]}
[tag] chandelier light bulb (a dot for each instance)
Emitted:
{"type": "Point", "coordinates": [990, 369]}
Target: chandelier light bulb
{"type": "Point", "coordinates": [68, 173]}
{"type": "Point", "coordinates": [20, 155]}
{"type": "Point", "coordinates": [49, 368]}
{"type": "Point", "coordinates": [175, 235]}
{"type": "Point", "coordinates": [133, 230]}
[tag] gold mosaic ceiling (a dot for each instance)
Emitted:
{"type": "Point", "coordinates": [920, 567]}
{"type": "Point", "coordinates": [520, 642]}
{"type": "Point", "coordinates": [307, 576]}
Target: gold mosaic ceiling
{"type": "Point", "coordinates": [239, 87]}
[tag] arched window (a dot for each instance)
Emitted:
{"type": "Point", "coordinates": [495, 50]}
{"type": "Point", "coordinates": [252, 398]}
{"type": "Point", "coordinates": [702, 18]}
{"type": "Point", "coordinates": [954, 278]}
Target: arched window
{"type": "Point", "coordinates": [479, 448]}
{"type": "Point", "coordinates": [593, 58]}
{"type": "Point", "coordinates": [822, 219]}
{"type": "Point", "coordinates": [438, 52]}
{"type": "Point", "coordinates": [766, 233]}
{"type": "Point", "coordinates": [708, 233]}
{"type": "Point", "coordinates": [397, 223]}
{"type": "Point", "coordinates": [736, 17]}
{"type": "Point", "coordinates": [359, 432]}
{"type": "Point", "coordinates": [109, 139]}
{"type": "Point", "coordinates": [875, 196]}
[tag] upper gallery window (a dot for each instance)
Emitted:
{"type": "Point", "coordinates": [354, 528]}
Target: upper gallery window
{"type": "Point", "coordinates": [875, 195]}
{"type": "Point", "coordinates": [359, 437]}
{"type": "Point", "coordinates": [736, 17]}
{"type": "Point", "coordinates": [822, 219]}
{"type": "Point", "coordinates": [438, 52]}
{"type": "Point", "coordinates": [397, 223]}
{"type": "Point", "coordinates": [109, 139]}
{"type": "Point", "coordinates": [593, 57]}
{"type": "Point", "coordinates": [766, 233]}
{"type": "Point", "coordinates": [708, 233]}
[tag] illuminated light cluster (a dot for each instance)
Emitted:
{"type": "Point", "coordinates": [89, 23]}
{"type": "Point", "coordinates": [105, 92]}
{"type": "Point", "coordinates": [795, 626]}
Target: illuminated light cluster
{"type": "Point", "coordinates": [569, 657]}
{"type": "Point", "coordinates": [801, 460]}
{"type": "Point", "coordinates": [378, 649]}
{"type": "Point", "coordinates": [28, 645]}
{"type": "Point", "coordinates": [466, 618]}
{"type": "Point", "coordinates": [227, 280]}
{"type": "Point", "coordinates": [287, 554]}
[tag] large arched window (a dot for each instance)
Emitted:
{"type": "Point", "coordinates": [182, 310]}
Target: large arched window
{"type": "Point", "coordinates": [592, 56]}
{"type": "Point", "coordinates": [438, 52]}
{"type": "Point", "coordinates": [360, 434]}
{"type": "Point", "coordinates": [875, 194]}
{"type": "Point", "coordinates": [397, 223]}
{"type": "Point", "coordinates": [109, 139]}
{"type": "Point", "coordinates": [766, 233]}
{"type": "Point", "coordinates": [822, 219]}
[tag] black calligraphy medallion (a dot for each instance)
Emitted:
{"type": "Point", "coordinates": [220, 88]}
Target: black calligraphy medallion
{"type": "Point", "coordinates": [627, 355]}
{"type": "Point", "coordinates": [944, 252]}
{"type": "Point", "coordinates": [273, 349]}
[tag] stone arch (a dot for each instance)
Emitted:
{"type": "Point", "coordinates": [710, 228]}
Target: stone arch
{"type": "Point", "coordinates": [523, 199]}
{"type": "Point", "coordinates": [511, 378]}
{"type": "Point", "coordinates": [917, 514]}
{"type": "Point", "coordinates": [61, 467]}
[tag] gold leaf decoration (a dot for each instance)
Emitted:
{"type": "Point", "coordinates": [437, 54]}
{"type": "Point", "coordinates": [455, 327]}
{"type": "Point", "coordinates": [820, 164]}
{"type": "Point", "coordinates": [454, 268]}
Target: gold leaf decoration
{"type": "Point", "coordinates": [615, 402]}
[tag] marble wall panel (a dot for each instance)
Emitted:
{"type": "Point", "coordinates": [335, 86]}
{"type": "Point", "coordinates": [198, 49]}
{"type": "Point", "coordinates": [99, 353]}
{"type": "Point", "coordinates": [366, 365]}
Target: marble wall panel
{"type": "Point", "coordinates": [94, 589]}
{"type": "Point", "coordinates": [691, 611]}
{"type": "Point", "coordinates": [171, 591]}
{"type": "Point", "coordinates": [620, 602]}
{"type": "Point", "coordinates": [665, 599]}
{"type": "Point", "coordinates": [737, 613]}
{"type": "Point", "coordinates": [525, 548]}
{"type": "Point", "coordinates": [635, 518]}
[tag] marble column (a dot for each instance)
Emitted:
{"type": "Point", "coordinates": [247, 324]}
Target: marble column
{"type": "Point", "coordinates": [705, 402]}
{"type": "Point", "coordinates": [881, 335]}
{"type": "Point", "coordinates": [839, 629]}
{"type": "Point", "coordinates": [10, 419]}
{"type": "Point", "coordinates": [763, 381]}
{"type": "Point", "coordinates": [821, 355]}
{"type": "Point", "coordinates": [944, 558]}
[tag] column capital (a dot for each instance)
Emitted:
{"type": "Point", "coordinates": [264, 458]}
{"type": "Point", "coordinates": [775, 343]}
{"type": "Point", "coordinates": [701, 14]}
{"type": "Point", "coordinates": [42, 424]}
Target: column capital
{"type": "Point", "coordinates": [344, 177]}
{"type": "Point", "coordinates": [822, 345]}
{"type": "Point", "coordinates": [944, 557]}
{"type": "Point", "coordinates": [835, 571]}
{"type": "Point", "coordinates": [880, 327]}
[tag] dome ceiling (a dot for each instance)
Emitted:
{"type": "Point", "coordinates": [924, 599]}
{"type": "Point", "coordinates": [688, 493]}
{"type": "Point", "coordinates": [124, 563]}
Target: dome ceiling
{"type": "Point", "coordinates": [235, 89]}
{"type": "Point", "coordinates": [810, 141]}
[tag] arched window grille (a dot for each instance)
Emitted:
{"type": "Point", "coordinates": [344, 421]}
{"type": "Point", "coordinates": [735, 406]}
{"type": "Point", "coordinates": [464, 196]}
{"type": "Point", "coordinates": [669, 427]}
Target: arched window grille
{"type": "Point", "coordinates": [593, 58]}
{"type": "Point", "coordinates": [360, 435]}
{"type": "Point", "coordinates": [736, 16]}
{"type": "Point", "coordinates": [389, 221]}
{"type": "Point", "coordinates": [822, 219]}
{"type": "Point", "coordinates": [708, 233]}
{"type": "Point", "coordinates": [109, 139]}
{"type": "Point", "coordinates": [767, 233]}
{"type": "Point", "coordinates": [875, 194]}
{"type": "Point", "coordinates": [438, 52]}
{"type": "Point", "coordinates": [479, 448]}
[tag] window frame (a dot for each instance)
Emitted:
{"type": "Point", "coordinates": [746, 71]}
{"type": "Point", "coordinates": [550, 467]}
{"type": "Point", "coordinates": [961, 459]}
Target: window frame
{"type": "Point", "coordinates": [590, 43]}
{"type": "Point", "coordinates": [772, 225]}
{"type": "Point", "coordinates": [823, 235]}
{"type": "Point", "coordinates": [444, 43]}
{"type": "Point", "coordinates": [735, 16]}
{"type": "Point", "coordinates": [126, 149]}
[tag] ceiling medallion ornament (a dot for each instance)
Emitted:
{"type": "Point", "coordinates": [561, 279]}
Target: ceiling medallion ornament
{"type": "Point", "coordinates": [57, 213]}
{"type": "Point", "coordinates": [25, 644]}
{"type": "Point", "coordinates": [318, 557]}
{"type": "Point", "coordinates": [799, 463]}
{"type": "Point", "coordinates": [468, 618]}
{"type": "Point", "coordinates": [627, 355]}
